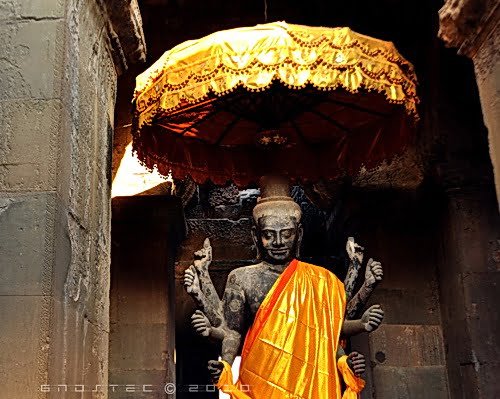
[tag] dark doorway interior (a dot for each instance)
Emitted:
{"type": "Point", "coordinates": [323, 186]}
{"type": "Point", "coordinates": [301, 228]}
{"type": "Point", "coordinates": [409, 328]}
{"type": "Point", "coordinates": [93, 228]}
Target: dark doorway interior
{"type": "Point", "coordinates": [146, 231]}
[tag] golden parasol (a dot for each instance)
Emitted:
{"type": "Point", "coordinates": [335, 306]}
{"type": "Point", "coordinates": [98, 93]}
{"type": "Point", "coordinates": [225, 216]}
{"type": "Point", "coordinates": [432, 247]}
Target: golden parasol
{"type": "Point", "coordinates": [307, 102]}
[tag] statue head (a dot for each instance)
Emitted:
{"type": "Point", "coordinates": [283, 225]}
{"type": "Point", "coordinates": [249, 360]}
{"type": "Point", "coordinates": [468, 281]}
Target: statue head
{"type": "Point", "coordinates": [277, 231]}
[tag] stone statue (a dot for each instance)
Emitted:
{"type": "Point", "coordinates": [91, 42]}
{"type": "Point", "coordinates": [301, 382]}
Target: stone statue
{"type": "Point", "coordinates": [277, 235]}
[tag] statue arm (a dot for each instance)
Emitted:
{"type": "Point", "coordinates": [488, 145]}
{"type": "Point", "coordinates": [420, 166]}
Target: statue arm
{"type": "Point", "coordinates": [373, 276]}
{"type": "Point", "coordinates": [340, 352]}
{"type": "Point", "coordinates": [210, 309]}
{"type": "Point", "coordinates": [350, 279]}
{"type": "Point", "coordinates": [370, 321]}
{"type": "Point", "coordinates": [356, 361]}
{"type": "Point", "coordinates": [355, 254]}
{"type": "Point", "coordinates": [199, 285]}
{"type": "Point", "coordinates": [358, 301]}
{"type": "Point", "coordinates": [203, 259]}
{"type": "Point", "coordinates": [230, 346]}
{"type": "Point", "coordinates": [203, 327]}
{"type": "Point", "coordinates": [233, 304]}
{"type": "Point", "coordinates": [218, 333]}
{"type": "Point", "coordinates": [209, 290]}
{"type": "Point", "coordinates": [352, 327]}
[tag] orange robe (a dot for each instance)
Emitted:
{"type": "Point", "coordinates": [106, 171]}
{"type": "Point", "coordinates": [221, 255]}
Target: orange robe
{"type": "Point", "coordinates": [290, 350]}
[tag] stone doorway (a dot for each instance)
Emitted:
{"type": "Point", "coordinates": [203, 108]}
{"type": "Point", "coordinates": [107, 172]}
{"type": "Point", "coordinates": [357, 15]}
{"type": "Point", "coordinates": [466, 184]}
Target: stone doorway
{"type": "Point", "coordinates": [146, 231]}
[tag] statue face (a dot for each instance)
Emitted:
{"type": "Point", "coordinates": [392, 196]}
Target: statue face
{"type": "Point", "coordinates": [278, 238]}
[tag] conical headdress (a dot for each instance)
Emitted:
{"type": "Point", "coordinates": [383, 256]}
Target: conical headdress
{"type": "Point", "coordinates": [275, 199]}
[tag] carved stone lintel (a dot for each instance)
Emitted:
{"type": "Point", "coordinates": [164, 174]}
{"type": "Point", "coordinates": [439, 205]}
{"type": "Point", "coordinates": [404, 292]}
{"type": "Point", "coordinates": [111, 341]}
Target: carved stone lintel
{"type": "Point", "coordinates": [466, 24]}
{"type": "Point", "coordinates": [127, 23]}
{"type": "Point", "coordinates": [223, 196]}
{"type": "Point", "coordinates": [125, 33]}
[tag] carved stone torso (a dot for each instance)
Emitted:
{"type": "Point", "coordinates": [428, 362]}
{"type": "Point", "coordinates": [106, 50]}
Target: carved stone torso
{"type": "Point", "coordinates": [248, 286]}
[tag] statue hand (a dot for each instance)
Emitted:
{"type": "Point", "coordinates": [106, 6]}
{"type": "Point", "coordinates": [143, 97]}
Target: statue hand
{"type": "Point", "coordinates": [354, 251]}
{"type": "Point", "coordinates": [374, 272]}
{"type": "Point", "coordinates": [215, 368]}
{"type": "Point", "coordinates": [200, 323]}
{"type": "Point", "coordinates": [203, 257]}
{"type": "Point", "coordinates": [357, 363]}
{"type": "Point", "coordinates": [191, 280]}
{"type": "Point", "coordinates": [372, 318]}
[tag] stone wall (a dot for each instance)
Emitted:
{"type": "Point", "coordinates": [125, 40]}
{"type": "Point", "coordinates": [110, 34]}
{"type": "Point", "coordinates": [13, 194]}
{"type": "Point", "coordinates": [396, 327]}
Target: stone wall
{"type": "Point", "coordinates": [57, 88]}
{"type": "Point", "coordinates": [407, 353]}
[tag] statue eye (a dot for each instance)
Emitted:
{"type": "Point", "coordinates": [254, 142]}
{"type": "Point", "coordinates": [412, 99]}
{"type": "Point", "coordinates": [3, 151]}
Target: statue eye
{"type": "Point", "coordinates": [267, 234]}
{"type": "Point", "coordinates": [287, 233]}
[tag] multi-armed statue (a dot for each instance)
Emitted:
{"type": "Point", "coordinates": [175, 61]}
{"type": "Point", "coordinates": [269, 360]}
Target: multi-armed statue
{"type": "Point", "coordinates": [286, 317]}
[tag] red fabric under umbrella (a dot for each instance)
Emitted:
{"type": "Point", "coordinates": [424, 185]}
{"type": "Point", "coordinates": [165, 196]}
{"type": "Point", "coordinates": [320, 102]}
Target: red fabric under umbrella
{"type": "Point", "coordinates": [310, 103]}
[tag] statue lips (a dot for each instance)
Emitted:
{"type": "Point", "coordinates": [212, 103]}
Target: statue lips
{"type": "Point", "coordinates": [279, 253]}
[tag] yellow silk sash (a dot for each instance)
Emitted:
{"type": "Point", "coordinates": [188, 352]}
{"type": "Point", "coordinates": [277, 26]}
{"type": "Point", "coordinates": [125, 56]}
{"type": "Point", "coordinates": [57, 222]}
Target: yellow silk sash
{"type": "Point", "coordinates": [290, 350]}
{"type": "Point", "coordinates": [354, 385]}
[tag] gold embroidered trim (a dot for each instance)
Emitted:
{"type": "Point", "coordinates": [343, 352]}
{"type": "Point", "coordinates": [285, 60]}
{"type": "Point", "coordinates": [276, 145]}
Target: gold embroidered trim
{"type": "Point", "coordinates": [295, 55]}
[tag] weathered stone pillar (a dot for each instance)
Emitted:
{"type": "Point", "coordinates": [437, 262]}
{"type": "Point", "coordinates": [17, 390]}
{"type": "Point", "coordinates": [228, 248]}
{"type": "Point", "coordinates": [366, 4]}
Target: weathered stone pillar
{"type": "Point", "coordinates": [469, 279]}
{"type": "Point", "coordinates": [59, 62]}
{"type": "Point", "coordinates": [469, 270]}
{"type": "Point", "coordinates": [473, 26]}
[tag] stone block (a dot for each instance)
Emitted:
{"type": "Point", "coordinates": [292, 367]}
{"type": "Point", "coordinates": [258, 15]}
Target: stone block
{"type": "Point", "coordinates": [25, 234]}
{"type": "Point", "coordinates": [24, 322]}
{"type": "Point", "coordinates": [407, 258]}
{"type": "Point", "coordinates": [97, 304]}
{"type": "Point", "coordinates": [28, 150]}
{"type": "Point", "coordinates": [233, 212]}
{"type": "Point", "coordinates": [95, 370]}
{"type": "Point", "coordinates": [458, 342]}
{"type": "Point", "coordinates": [31, 9]}
{"type": "Point", "coordinates": [41, 9]}
{"type": "Point", "coordinates": [407, 306]}
{"type": "Point", "coordinates": [194, 211]}
{"type": "Point", "coordinates": [473, 224]}
{"type": "Point", "coordinates": [79, 358]}
{"type": "Point", "coordinates": [410, 382]}
{"type": "Point", "coordinates": [228, 195]}
{"type": "Point", "coordinates": [28, 59]}
{"type": "Point", "coordinates": [407, 345]}
{"type": "Point", "coordinates": [138, 346]}
{"type": "Point", "coordinates": [488, 380]}
{"type": "Point", "coordinates": [467, 383]}
{"type": "Point", "coordinates": [481, 297]}
{"type": "Point", "coordinates": [138, 300]}
{"type": "Point", "coordinates": [23, 177]}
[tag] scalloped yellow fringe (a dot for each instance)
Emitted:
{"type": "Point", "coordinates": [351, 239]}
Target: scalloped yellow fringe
{"type": "Point", "coordinates": [295, 55]}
